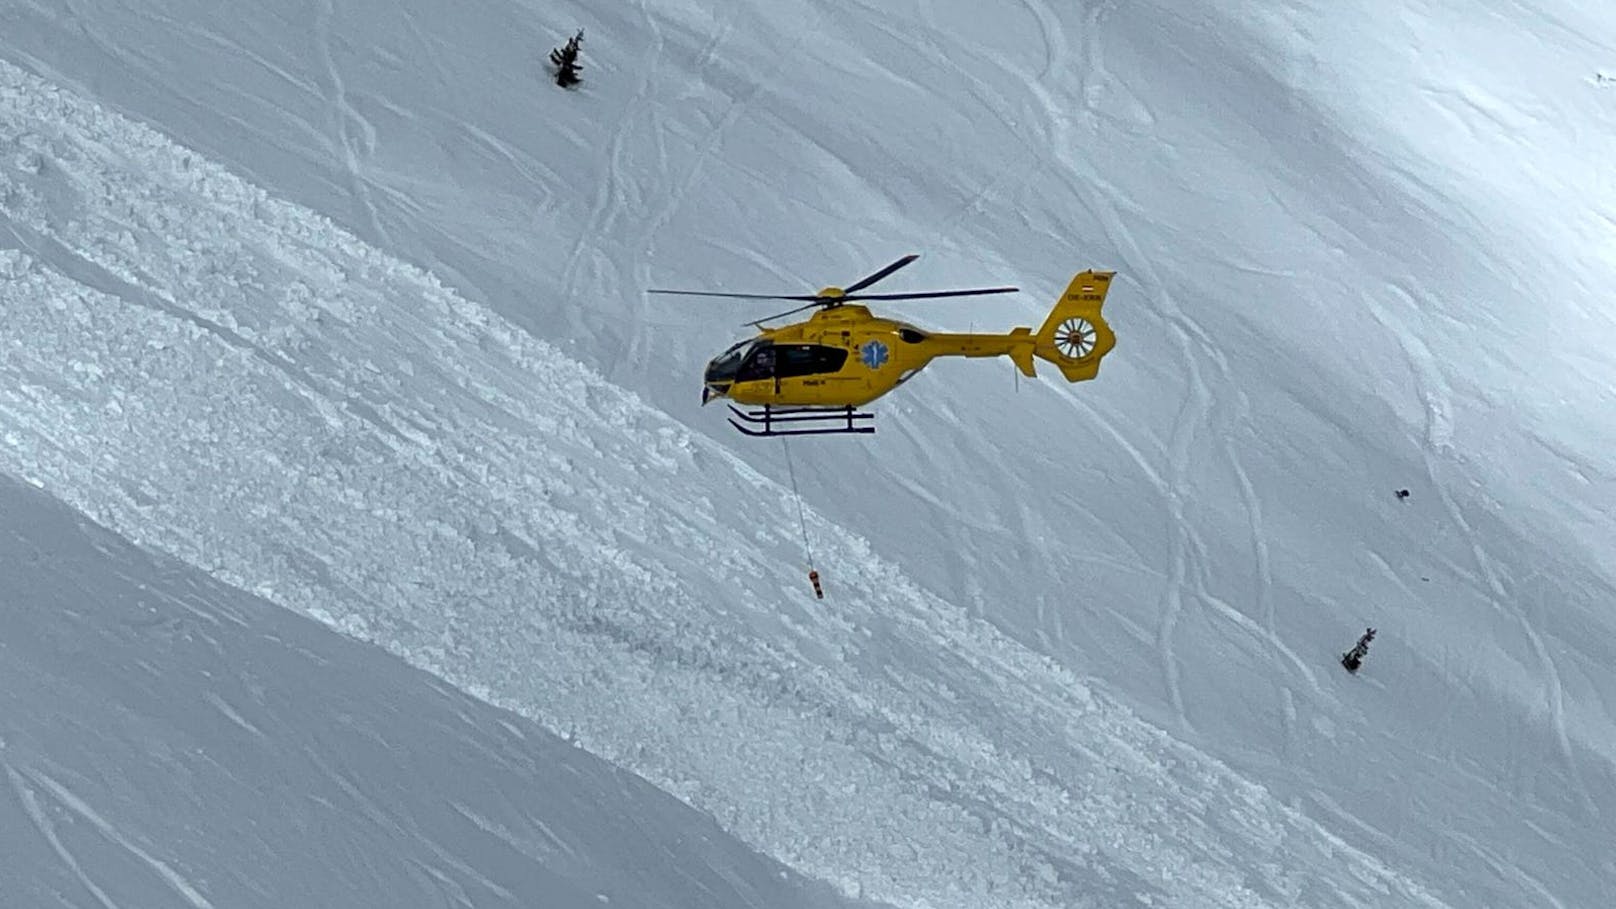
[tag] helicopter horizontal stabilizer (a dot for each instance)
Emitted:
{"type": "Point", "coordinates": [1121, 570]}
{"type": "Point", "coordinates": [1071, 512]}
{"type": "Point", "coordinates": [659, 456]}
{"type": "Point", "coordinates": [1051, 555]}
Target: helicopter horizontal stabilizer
{"type": "Point", "coordinates": [1022, 354]}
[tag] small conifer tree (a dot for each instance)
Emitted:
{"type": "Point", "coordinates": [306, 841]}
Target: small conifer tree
{"type": "Point", "coordinates": [566, 61]}
{"type": "Point", "coordinates": [1353, 658]}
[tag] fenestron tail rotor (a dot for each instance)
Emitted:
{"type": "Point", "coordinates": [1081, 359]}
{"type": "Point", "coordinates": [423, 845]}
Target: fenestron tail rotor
{"type": "Point", "coordinates": [836, 296]}
{"type": "Point", "coordinates": [1075, 338]}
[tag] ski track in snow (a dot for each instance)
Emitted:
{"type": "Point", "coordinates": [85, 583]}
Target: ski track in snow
{"type": "Point", "coordinates": [239, 383]}
{"type": "Point", "coordinates": [1436, 395]}
{"type": "Point", "coordinates": [925, 44]}
{"type": "Point", "coordinates": [612, 195]}
{"type": "Point", "coordinates": [42, 823]}
{"type": "Point", "coordinates": [345, 119]}
{"type": "Point", "coordinates": [649, 227]}
{"type": "Point", "coordinates": [1554, 688]}
{"type": "Point", "coordinates": [28, 786]}
{"type": "Point", "coordinates": [1192, 423]}
{"type": "Point", "coordinates": [1201, 419]}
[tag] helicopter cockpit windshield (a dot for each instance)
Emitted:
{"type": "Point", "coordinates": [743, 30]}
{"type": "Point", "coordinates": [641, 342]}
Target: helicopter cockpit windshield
{"type": "Point", "coordinates": [724, 367]}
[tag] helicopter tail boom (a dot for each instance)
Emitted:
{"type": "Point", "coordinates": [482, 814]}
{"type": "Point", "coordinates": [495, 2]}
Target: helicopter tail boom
{"type": "Point", "coordinates": [1075, 337]}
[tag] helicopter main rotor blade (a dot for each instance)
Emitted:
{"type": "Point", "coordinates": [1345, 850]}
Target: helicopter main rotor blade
{"type": "Point", "coordinates": [933, 294]}
{"type": "Point", "coordinates": [867, 281]}
{"type": "Point", "coordinates": [789, 312]}
{"type": "Point", "coordinates": [714, 293]}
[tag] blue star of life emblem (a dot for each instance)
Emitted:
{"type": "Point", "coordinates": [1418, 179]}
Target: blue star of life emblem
{"type": "Point", "coordinates": [873, 354]}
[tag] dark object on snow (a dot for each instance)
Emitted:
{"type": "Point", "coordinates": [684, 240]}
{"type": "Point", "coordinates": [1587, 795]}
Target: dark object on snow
{"type": "Point", "coordinates": [566, 61]}
{"type": "Point", "coordinates": [1402, 493]}
{"type": "Point", "coordinates": [1353, 658]}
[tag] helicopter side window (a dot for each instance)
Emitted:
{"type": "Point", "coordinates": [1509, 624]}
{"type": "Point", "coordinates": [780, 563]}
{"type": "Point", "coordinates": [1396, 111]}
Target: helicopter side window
{"type": "Point", "coordinates": [809, 360]}
{"type": "Point", "coordinates": [760, 365]}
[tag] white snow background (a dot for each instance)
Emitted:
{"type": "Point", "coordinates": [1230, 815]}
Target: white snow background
{"type": "Point", "coordinates": [340, 307]}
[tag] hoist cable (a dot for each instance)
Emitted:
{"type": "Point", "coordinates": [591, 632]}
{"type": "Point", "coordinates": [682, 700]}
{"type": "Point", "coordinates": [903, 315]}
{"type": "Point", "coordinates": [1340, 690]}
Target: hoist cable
{"type": "Point", "coordinates": [801, 520]}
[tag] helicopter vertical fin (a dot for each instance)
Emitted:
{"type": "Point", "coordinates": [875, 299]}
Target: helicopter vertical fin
{"type": "Point", "coordinates": [1075, 337]}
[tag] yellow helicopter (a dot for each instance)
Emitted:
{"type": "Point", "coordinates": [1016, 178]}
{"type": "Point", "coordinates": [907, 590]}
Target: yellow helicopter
{"type": "Point", "coordinates": [810, 377]}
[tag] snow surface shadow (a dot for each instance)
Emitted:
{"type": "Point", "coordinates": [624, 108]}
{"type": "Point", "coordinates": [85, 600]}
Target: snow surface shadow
{"type": "Point", "coordinates": [170, 740]}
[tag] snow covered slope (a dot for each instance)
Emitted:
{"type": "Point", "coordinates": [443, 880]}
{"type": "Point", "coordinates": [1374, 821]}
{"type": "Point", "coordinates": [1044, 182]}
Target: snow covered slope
{"type": "Point", "coordinates": [166, 740]}
{"type": "Point", "coordinates": [1361, 246]}
{"type": "Point", "coordinates": [233, 380]}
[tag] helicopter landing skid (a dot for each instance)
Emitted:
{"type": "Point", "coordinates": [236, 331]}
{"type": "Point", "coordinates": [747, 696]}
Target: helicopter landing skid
{"type": "Point", "coordinates": [801, 421]}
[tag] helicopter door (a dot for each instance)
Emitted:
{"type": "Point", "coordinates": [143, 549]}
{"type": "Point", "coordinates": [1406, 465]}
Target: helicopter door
{"type": "Point", "coordinates": [808, 360]}
{"type": "Point", "coordinates": [760, 365]}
